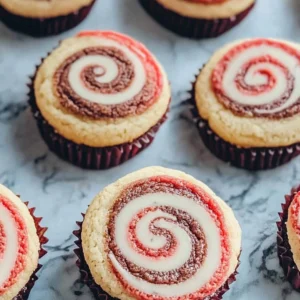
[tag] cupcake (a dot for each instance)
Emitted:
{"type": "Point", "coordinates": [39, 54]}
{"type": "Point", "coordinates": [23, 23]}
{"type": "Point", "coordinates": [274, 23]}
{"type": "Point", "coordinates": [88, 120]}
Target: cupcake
{"type": "Point", "coordinates": [99, 99]}
{"type": "Point", "coordinates": [43, 17]}
{"type": "Point", "coordinates": [288, 238]}
{"type": "Point", "coordinates": [198, 18]}
{"type": "Point", "coordinates": [158, 234]}
{"type": "Point", "coordinates": [246, 103]}
{"type": "Point", "coordinates": [21, 238]}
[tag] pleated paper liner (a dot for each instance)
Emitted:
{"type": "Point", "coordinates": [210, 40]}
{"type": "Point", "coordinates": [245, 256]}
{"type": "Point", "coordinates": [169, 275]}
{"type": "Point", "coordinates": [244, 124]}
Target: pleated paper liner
{"type": "Point", "coordinates": [89, 157]}
{"type": "Point", "coordinates": [253, 159]}
{"type": "Point", "coordinates": [285, 254]}
{"type": "Point", "coordinates": [41, 27]}
{"type": "Point", "coordinates": [87, 278]}
{"type": "Point", "coordinates": [24, 293]}
{"type": "Point", "coordinates": [191, 27]}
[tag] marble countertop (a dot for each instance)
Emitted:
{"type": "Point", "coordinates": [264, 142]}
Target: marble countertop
{"type": "Point", "coordinates": [61, 192]}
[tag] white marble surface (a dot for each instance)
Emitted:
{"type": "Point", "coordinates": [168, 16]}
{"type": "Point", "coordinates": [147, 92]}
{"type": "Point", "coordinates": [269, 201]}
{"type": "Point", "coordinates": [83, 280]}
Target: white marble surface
{"type": "Point", "coordinates": [61, 192]}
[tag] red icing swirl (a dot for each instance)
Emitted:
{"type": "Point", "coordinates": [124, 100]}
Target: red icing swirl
{"type": "Point", "coordinates": [3, 241]}
{"type": "Point", "coordinates": [259, 78]}
{"type": "Point", "coordinates": [199, 247]}
{"type": "Point", "coordinates": [22, 243]}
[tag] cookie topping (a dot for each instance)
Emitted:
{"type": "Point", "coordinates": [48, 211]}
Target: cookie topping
{"type": "Point", "coordinates": [13, 244]}
{"type": "Point", "coordinates": [118, 78]}
{"type": "Point", "coordinates": [294, 214]}
{"type": "Point", "coordinates": [259, 78]}
{"type": "Point", "coordinates": [168, 238]}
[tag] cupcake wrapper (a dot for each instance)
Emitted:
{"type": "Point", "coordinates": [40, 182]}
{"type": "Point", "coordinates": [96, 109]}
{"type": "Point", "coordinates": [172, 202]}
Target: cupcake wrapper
{"type": "Point", "coordinates": [253, 159]}
{"type": "Point", "coordinates": [89, 157]}
{"type": "Point", "coordinates": [87, 278]}
{"type": "Point", "coordinates": [39, 27]}
{"type": "Point", "coordinates": [191, 27]}
{"type": "Point", "coordinates": [24, 293]}
{"type": "Point", "coordinates": [284, 251]}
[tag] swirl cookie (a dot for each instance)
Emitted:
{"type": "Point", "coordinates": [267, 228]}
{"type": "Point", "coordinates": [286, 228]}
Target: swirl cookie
{"type": "Point", "coordinates": [44, 17]}
{"type": "Point", "coordinates": [198, 18]}
{"type": "Point", "coordinates": [21, 238]}
{"type": "Point", "coordinates": [247, 101]}
{"type": "Point", "coordinates": [99, 99]}
{"type": "Point", "coordinates": [158, 234]}
{"type": "Point", "coordinates": [288, 238]}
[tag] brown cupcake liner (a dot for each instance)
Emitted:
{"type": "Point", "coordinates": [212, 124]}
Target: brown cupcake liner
{"type": "Point", "coordinates": [24, 293]}
{"type": "Point", "coordinates": [284, 251]}
{"type": "Point", "coordinates": [94, 158]}
{"type": "Point", "coordinates": [191, 27]}
{"type": "Point", "coordinates": [100, 294]}
{"type": "Point", "coordinates": [41, 27]}
{"type": "Point", "coordinates": [253, 159]}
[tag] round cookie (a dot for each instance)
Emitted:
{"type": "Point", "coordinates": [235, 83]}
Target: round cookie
{"type": "Point", "coordinates": [159, 234]}
{"type": "Point", "coordinates": [247, 103]}
{"type": "Point", "coordinates": [19, 246]}
{"type": "Point", "coordinates": [198, 18]}
{"type": "Point", "coordinates": [44, 17]}
{"type": "Point", "coordinates": [99, 90]}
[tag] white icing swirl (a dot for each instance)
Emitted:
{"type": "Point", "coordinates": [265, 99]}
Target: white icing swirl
{"type": "Point", "coordinates": [105, 71]}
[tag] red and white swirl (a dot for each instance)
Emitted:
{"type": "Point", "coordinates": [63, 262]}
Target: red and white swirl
{"type": "Point", "coordinates": [168, 240]}
{"type": "Point", "coordinates": [115, 77]}
{"type": "Point", "coordinates": [13, 244]}
{"type": "Point", "coordinates": [259, 77]}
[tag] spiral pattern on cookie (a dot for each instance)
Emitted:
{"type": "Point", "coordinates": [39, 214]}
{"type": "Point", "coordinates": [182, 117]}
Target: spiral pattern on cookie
{"type": "Point", "coordinates": [117, 77]}
{"type": "Point", "coordinates": [259, 78]}
{"type": "Point", "coordinates": [167, 239]}
{"type": "Point", "coordinates": [13, 244]}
